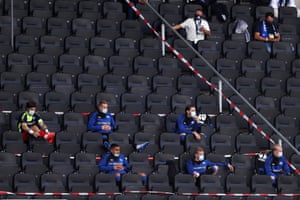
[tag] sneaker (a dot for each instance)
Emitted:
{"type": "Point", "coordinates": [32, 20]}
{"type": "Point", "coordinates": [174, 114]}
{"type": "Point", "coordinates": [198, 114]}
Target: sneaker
{"type": "Point", "coordinates": [106, 145]}
{"type": "Point", "coordinates": [50, 137]}
{"type": "Point", "coordinates": [142, 146]}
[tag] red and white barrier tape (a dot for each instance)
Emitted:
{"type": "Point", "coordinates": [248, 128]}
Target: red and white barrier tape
{"type": "Point", "coordinates": [146, 192]}
{"type": "Point", "coordinates": [211, 85]}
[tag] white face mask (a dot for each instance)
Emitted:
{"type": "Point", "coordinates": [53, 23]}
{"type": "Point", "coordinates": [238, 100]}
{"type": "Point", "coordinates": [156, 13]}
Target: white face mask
{"type": "Point", "coordinates": [116, 154]}
{"type": "Point", "coordinates": [104, 110]}
{"type": "Point", "coordinates": [201, 158]}
{"type": "Point", "coordinates": [193, 114]}
{"type": "Point", "coordinates": [31, 112]}
{"type": "Point", "coordinates": [279, 154]}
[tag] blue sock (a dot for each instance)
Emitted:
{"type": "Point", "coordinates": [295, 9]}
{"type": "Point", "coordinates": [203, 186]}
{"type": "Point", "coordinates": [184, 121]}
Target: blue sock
{"type": "Point", "coordinates": [182, 138]}
{"type": "Point", "coordinates": [118, 179]}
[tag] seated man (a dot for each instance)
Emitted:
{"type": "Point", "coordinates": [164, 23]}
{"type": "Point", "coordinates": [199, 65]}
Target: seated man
{"type": "Point", "coordinates": [276, 164]}
{"type": "Point", "coordinates": [32, 126]}
{"type": "Point", "coordinates": [267, 31]}
{"type": "Point", "coordinates": [188, 124]}
{"type": "Point", "coordinates": [102, 121]}
{"type": "Point", "coordinates": [116, 163]}
{"type": "Point", "coordinates": [198, 165]}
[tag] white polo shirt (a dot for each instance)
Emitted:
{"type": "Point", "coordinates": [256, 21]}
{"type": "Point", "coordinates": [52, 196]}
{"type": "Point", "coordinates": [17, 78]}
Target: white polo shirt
{"type": "Point", "coordinates": [275, 3]}
{"type": "Point", "coordinates": [190, 28]}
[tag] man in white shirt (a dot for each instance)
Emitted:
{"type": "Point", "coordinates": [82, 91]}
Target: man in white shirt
{"type": "Point", "coordinates": [196, 28]}
{"type": "Point", "coordinates": [276, 4]}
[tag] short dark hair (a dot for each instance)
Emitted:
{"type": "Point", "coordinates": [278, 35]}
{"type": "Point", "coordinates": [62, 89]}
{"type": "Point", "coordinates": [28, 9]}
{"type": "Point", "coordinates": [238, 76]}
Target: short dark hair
{"type": "Point", "coordinates": [199, 9]}
{"type": "Point", "coordinates": [114, 145]}
{"type": "Point", "coordinates": [30, 104]}
{"type": "Point", "coordinates": [188, 107]}
{"type": "Point", "coordinates": [269, 14]}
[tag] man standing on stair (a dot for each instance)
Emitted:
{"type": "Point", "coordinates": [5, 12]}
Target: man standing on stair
{"type": "Point", "coordinates": [196, 27]}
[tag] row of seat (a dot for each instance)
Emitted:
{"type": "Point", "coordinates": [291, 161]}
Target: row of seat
{"type": "Point", "coordinates": [61, 165]}
{"type": "Point", "coordinates": [153, 197]}
{"type": "Point", "coordinates": [183, 183]}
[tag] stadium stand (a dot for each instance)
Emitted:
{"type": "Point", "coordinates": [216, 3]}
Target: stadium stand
{"type": "Point", "coordinates": [68, 55]}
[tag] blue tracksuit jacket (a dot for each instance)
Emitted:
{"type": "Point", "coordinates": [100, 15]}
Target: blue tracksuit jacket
{"type": "Point", "coordinates": [278, 168]}
{"type": "Point", "coordinates": [201, 167]}
{"type": "Point", "coordinates": [185, 125]}
{"type": "Point", "coordinates": [97, 120]}
{"type": "Point", "coordinates": [108, 161]}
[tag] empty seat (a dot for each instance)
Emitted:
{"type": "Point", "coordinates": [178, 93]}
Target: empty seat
{"type": "Point", "coordinates": [131, 29]}
{"type": "Point", "coordinates": [67, 143]}
{"type": "Point", "coordinates": [9, 165]}
{"type": "Point", "coordinates": [288, 184]}
{"type": "Point", "coordinates": [126, 122]}
{"type": "Point", "coordinates": [158, 103]}
{"type": "Point", "coordinates": [57, 26]}
{"type": "Point", "coordinates": [52, 183]}
{"type": "Point", "coordinates": [70, 64]}
{"type": "Point", "coordinates": [56, 102]}
{"type": "Point", "coordinates": [89, 10]}
{"type": "Point", "coordinates": [41, 8]}
{"type": "Point", "coordinates": [221, 144]}
{"type": "Point", "coordinates": [25, 183]}
{"type": "Point", "coordinates": [85, 163]}
{"type": "Point", "coordinates": [105, 183]}
{"type": "Point", "coordinates": [159, 182]}
{"type": "Point", "coordinates": [83, 27]}
{"type": "Point", "coordinates": [79, 183]}
{"type": "Point", "coordinates": [20, 8]}
{"type": "Point", "coordinates": [33, 26]}
{"type": "Point", "coordinates": [107, 28]}
{"type": "Point", "coordinates": [115, 7]}
{"type": "Point", "coordinates": [168, 67]}
{"type": "Point", "coordinates": [131, 182]}
{"type": "Point", "coordinates": [185, 183]}
{"type": "Point", "coordinates": [133, 103]}
{"type": "Point", "coordinates": [246, 143]}
{"type": "Point", "coordinates": [60, 163]}
{"type": "Point", "coordinates": [150, 47]}
{"type": "Point", "coordinates": [76, 45]}
{"type": "Point", "coordinates": [82, 102]}
{"type": "Point", "coordinates": [51, 45]}
{"type": "Point", "coordinates": [236, 184]}
{"type": "Point", "coordinates": [210, 183]}
{"type": "Point", "coordinates": [32, 163]}
{"type": "Point", "coordinates": [12, 142]}
{"type": "Point", "coordinates": [92, 143]}
{"type": "Point", "coordinates": [18, 63]}
{"type": "Point", "coordinates": [262, 183]}
{"type": "Point", "coordinates": [26, 44]}
{"type": "Point", "coordinates": [65, 9]}
{"type": "Point", "coordinates": [94, 65]}
{"type": "Point", "coordinates": [144, 66]}
{"type": "Point", "coordinates": [74, 122]}
{"type": "Point", "coordinates": [120, 65]}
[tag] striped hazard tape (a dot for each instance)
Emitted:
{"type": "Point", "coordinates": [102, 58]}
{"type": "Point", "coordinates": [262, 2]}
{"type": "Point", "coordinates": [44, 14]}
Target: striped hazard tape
{"type": "Point", "coordinates": [211, 85]}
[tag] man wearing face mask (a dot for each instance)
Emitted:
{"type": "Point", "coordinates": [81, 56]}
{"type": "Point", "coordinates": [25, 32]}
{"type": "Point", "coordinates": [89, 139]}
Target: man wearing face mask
{"type": "Point", "coordinates": [276, 164]}
{"type": "Point", "coordinates": [187, 124]}
{"type": "Point", "coordinates": [196, 28]}
{"type": "Point", "coordinates": [32, 126]}
{"type": "Point", "coordinates": [116, 163]}
{"type": "Point", "coordinates": [102, 121]}
{"type": "Point", "coordinates": [198, 165]}
{"type": "Point", "coordinates": [267, 31]}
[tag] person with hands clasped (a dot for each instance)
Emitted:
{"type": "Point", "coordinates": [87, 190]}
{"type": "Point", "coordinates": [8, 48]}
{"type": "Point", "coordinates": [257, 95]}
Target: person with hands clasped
{"type": "Point", "coordinates": [116, 163]}
{"type": "Point", "coordinates": [32, 126]}
{"type": "Point", "coordinates": [102, 121]}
